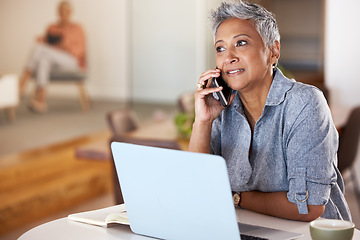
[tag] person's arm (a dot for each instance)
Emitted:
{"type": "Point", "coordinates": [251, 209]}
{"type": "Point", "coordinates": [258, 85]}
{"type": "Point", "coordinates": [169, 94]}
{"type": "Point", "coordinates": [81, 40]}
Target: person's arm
{"type": "Point", "coordinates": [75, 44]}
{"type": "Point", "coordinates": [200, 137]}
{"type": "Point", "coordinates": [310, 148]}
{"type": "Point", "coordinates": [277, 204]}
{"type": "Point", "coordinates": [78, 48]}
{"type": "Point", "coordinates": [207, 109]}
{"type": "Point", "coordinates": [42, 38]}
{"type": "Point", "coordinates": [311, 144]}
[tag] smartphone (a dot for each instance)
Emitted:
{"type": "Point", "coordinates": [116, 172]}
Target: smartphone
{"type": "Point", "coordinates": [224, 95]}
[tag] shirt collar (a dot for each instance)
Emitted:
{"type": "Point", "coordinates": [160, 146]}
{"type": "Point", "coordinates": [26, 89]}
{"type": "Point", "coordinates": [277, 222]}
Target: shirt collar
{"type": "Point", "coordinates": [279, 87]}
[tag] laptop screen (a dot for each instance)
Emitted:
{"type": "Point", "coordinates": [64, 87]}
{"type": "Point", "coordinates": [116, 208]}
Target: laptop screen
{"type": "Point", "coordinates": [174, 194]}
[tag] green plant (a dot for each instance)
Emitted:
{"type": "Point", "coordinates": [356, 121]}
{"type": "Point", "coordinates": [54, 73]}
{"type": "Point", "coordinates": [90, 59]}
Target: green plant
{"type": "Point", "coordinates": [184, 123]}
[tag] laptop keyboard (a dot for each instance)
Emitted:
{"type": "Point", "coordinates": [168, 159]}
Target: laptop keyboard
{"type": "Point", "coordinates": [247, 237]}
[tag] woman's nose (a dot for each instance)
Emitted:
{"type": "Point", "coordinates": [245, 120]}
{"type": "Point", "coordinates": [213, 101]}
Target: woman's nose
{"type": "Point", "coordinates": [231, 57]}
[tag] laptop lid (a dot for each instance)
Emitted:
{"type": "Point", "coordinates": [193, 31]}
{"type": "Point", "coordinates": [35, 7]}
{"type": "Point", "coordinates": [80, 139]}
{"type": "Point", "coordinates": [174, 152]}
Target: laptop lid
{"type": "Point", "coordinates": [174, 194]}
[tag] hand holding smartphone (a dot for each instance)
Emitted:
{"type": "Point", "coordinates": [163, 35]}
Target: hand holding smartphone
{"type": "Point", "coordinates": [224, 95]}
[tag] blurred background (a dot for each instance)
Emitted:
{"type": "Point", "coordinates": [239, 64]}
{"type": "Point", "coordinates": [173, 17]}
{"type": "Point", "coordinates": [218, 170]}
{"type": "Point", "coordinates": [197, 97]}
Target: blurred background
{"type": "Point", "coordinates": [145, 56]}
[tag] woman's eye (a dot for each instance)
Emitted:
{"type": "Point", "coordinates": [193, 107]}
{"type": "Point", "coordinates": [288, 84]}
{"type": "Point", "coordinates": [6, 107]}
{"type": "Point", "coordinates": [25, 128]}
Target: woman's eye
{"type": "Point", "coordinates": [241, 43]}
{"type": "Point", "coordinates": [220, 49]}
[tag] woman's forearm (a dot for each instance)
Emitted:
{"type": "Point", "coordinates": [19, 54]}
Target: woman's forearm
{"type": "Point", "coordinates": [276, 204]}
{"type": "Point", "coordinates": [200, 137]}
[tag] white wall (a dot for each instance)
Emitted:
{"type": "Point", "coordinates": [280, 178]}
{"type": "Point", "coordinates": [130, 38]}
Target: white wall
{"type": "Point", "coordinates": [167, 51]}
{"type": "Point", "coordinates": [172, 45]}
{"type": "Point", "coordinates": [342, 75]}
{"type": "Point", "coordinates": [106, 27]}
{"type": "Point", "coordinates": [145, 50]}
{"type": "Point", "coordinates": [342, 51]}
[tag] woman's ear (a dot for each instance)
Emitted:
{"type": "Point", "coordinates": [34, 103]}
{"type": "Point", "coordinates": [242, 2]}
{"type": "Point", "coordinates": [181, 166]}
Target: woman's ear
{"type": "Point", "coordinates": [275, 52]}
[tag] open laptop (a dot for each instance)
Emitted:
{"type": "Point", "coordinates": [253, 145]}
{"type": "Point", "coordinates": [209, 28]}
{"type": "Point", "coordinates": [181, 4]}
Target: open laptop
{"type": "Point", "coordinates": [171, 194]}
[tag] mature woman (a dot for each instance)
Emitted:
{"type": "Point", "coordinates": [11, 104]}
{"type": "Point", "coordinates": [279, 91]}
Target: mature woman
{"type": "Point", "coordinates": [277, 136]}
{"type": "Point", "coordinates": [62, 48]}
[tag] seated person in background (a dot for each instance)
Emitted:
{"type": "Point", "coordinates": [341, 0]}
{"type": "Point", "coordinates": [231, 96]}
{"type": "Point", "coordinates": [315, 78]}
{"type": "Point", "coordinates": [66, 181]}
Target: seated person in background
{"type": "Point", "coordinates": [277, 135]}
{"type": "Point", "coordinates": [62, 48]}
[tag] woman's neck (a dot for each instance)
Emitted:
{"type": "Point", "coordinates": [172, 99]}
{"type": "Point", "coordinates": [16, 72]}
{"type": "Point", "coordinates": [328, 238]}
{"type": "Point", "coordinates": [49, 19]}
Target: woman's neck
{"type": "Point", "coordinates": [64, 23]}
{"type": "Point", "coordinates": [254, 100]}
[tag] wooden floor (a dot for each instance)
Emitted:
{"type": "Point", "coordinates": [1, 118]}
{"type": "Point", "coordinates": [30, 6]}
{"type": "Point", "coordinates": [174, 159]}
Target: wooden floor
{"type": "Point", "coordinates": [50, 179]}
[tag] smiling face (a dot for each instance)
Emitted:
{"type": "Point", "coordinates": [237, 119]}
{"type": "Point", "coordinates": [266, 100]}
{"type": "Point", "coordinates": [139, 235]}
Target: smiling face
{"type": "Point", "coordinates": [242, 56]}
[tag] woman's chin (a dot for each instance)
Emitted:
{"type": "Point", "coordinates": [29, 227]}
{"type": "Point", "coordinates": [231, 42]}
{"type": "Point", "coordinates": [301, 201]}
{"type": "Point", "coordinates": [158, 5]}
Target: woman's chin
{"type": "Point", "coordinates": [238, 86]}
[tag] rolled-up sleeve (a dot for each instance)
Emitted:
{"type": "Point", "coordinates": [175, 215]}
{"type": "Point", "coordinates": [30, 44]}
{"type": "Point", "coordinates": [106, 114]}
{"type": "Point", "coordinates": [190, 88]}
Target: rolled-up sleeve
{"type": "Point", "coordinates": [311, 147]}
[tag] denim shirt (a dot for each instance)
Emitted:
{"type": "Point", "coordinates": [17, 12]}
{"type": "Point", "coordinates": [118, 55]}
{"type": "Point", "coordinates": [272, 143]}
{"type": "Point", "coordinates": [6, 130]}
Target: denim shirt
{"type": "Point", "coordinates": [294, 148]}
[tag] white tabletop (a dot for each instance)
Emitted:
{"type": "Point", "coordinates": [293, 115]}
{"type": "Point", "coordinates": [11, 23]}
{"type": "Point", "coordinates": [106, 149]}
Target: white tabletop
{"type": "Point", "coordinates": [67, 229]}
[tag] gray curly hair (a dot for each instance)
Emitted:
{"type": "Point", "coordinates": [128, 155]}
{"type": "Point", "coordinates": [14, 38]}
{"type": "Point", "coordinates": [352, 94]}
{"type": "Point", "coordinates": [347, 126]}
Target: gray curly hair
{"type": "Point", "coordinates": [264, 20]}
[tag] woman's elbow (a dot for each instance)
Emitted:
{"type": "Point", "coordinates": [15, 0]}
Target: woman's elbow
{"type": "Point", "coordinates": [315, 211]}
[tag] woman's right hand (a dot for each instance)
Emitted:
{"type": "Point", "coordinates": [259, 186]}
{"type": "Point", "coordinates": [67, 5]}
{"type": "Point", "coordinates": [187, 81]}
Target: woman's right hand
{"type": "Point", "coordinates": [207, 108]}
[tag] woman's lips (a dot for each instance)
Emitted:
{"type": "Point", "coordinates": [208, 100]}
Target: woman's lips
{"type": "Point", "coordinates": [235, 71]}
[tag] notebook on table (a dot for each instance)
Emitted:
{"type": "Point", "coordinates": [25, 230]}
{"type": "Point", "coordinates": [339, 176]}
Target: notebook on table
{"type": "Point", "coordinates": [171, 194]}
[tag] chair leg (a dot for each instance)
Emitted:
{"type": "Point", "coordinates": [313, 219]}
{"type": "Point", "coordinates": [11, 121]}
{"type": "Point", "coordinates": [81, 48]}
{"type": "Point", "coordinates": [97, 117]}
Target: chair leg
{"type": "Point", "coordinates": [84, 99]}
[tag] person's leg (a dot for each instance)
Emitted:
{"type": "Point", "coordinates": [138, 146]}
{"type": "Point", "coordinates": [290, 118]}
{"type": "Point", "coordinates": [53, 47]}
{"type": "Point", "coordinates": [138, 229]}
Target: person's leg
{"type": "Point", "coordinates": [38, 103]}
{"type": "Point", "coordinates": [57, 58]}
{"type": "Point", "coordinates": [36, 55]}
{"type": "Point", "coordinates": [48, 58]}
{"type": "Point", "coordinates": [29, 68]}
{"type": "Point", "coordinates": [25, 76]}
